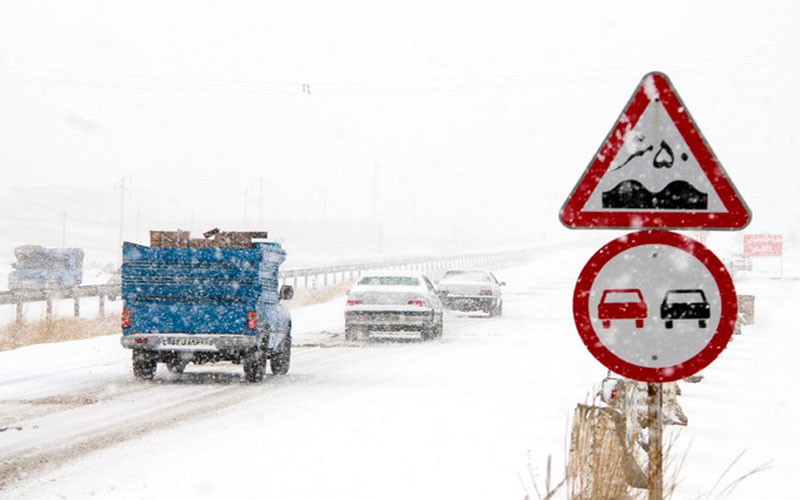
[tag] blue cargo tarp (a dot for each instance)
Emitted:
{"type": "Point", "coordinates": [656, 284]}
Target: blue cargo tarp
{"type": "Point", "coordinates": [193, 290]}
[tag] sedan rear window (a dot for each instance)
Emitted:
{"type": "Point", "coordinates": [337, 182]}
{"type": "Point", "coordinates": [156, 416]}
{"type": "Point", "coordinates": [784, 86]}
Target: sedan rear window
{"type": "Point", "coordinates": [620, 296]}
{"type": "Point", "coordinates": [475, 276]}
{"type": "Point", "coordinates": [684, 296]}
{"type": "Point", "coordinates": [389, 280]}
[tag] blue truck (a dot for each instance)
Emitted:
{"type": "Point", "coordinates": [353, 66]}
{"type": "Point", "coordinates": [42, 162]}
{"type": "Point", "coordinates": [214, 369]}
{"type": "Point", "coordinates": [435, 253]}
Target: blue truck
{"type": "Point", "coordinates": [40, 268]}
{"type": "Point", "coordinates": [207, 302]}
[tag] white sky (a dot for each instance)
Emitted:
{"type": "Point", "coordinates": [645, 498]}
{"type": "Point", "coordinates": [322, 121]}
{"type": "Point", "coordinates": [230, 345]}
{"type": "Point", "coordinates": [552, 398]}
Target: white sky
{"type": "Point", "coordinates": [476, 119]}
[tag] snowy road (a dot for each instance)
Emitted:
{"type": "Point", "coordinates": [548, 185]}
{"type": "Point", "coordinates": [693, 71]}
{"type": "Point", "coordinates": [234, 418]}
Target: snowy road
{"type": "Point", "coordinates": [459, 417]}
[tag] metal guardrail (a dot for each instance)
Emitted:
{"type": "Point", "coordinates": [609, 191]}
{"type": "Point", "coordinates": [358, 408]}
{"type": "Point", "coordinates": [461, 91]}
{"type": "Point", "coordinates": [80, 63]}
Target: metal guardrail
{"type": "Point", "coordinates": [308, 278]}
{"type": "Point", "coordinates": [20, 297]}
{"type": "Point", "coordinates": [315, 277]}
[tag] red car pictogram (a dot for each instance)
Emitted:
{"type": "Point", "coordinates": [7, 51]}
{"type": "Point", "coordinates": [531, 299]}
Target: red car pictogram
{"type": "Point", "coordinates": [622, 303]}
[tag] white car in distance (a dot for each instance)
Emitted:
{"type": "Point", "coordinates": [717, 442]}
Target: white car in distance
{"type": "Point", "coordinates": [393, 301]}
{"type": "Point", "coordinates": [471, 290]}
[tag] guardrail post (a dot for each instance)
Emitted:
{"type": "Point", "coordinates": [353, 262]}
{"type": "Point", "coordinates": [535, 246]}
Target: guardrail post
{"type": "Point", "coordinates": [76, 308]}
{"type": "Point", "coordinates": [19, 312]}
{"type": "Point", "coordinates": [49, 309]}
{"type": "Point", "coordinates": [101, 306]}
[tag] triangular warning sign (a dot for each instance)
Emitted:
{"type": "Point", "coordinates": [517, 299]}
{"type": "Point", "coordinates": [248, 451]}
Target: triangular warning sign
{"type": "Point", "coordinates": [655, 170]}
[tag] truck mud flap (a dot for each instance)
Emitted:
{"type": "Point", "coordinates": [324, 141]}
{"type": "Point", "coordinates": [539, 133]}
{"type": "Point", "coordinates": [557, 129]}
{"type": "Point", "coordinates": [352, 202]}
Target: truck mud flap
{"type": "Point", "coordinates": [277, 341]}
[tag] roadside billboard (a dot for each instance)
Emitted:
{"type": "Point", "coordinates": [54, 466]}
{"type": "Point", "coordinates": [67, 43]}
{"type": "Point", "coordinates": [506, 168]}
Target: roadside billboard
{"type": "Point", "coordinates": [763, 245]}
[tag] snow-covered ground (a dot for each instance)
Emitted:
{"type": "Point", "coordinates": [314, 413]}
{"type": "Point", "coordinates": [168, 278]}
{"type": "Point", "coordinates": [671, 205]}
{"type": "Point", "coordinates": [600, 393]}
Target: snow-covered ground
{"type": "Point", "coordinates": [472, 415]}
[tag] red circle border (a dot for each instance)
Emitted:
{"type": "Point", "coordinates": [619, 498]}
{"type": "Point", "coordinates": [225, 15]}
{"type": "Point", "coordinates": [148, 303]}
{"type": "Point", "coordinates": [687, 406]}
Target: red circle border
{"type": "Point", "coordinates": [720, 338]}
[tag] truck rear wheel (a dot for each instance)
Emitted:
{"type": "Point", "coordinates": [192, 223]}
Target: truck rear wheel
{"type": "Point", "coordinates": [255, 366]}
{"type": "Point", "coordinates": [144, 365]}
{"type": "Point", "coordinates": [279, 364]}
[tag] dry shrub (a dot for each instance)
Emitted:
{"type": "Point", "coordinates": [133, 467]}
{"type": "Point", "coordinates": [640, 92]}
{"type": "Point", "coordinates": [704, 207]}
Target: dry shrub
{"type": "Point", "coordinates": [62, 329]}
{"type": "Point", "coordinates": [57, 330]}
{"type": "Point", "coordinates": [600, 464]}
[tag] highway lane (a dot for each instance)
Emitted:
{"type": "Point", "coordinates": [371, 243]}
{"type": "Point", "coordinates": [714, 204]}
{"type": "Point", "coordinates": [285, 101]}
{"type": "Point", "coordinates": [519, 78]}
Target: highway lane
{"type": "Point", "coordinates": [463, 413]}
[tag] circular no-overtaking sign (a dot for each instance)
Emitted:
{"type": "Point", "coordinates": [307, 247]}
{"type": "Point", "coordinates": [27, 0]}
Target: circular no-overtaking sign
{"type": "Point", "coordinates": [655, 306]}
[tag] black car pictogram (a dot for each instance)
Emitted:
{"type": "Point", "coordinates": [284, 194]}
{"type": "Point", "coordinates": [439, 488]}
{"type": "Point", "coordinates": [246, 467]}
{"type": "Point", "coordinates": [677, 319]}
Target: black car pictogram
{"type": "Point", "coordinates": [685, 304]}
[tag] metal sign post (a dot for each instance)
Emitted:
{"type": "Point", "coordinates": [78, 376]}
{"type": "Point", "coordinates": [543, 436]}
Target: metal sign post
{"type": "Point", "coordinates": [655, 453]}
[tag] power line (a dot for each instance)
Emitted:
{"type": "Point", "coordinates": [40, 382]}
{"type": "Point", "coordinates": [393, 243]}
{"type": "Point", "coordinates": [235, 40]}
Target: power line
{"type": "Point", "coordinates": [471, 83]}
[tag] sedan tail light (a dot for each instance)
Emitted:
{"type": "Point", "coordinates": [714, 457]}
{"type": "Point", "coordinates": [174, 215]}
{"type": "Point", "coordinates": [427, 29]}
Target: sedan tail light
{"type": "Point", "coordinates": [485, 292]}
{"type": "Point", "coordinates": [418, 303]}
{"type": "Point", "coordinates": [353, 302]}
{"type": "Point", "coordinates": [252, 320]}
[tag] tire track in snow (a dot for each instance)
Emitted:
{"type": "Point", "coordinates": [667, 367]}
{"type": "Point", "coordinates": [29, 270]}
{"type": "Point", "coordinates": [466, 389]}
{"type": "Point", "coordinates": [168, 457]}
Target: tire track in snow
{"type": "Point", "coordinates": [76, 432]}
{"type": "Point", "coordinates": [54, 430]}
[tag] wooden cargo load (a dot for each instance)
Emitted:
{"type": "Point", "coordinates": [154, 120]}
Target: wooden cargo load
{"type": "Point", "coordinates": [169, 239]}
{"type": "Point", "coordinates": [211, 239]}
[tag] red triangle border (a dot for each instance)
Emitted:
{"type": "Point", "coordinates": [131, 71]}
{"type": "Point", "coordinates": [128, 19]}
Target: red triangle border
{"type": "Point", "coordinates": [572, 214]}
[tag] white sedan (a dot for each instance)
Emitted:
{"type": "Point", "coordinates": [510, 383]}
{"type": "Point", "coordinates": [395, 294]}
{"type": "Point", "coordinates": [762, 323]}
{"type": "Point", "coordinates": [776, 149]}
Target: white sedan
{"type": "Point", "coordinates": [471, 290]}
{"type": "Point", "coordinates": [391, 301]}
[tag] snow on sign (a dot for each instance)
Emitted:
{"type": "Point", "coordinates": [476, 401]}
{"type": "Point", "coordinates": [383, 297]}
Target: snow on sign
{"type": "Point", "coordinates": [655, 306]}
{"type": "Point", "coordinates": [655, 170]}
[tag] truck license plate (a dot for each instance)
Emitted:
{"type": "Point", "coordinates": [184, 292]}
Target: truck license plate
{"type": "Point", "coordinates": [189, 343]}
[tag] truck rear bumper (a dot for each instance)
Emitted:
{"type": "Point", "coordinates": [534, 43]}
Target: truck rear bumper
{"type": "Point", "coordinates": [189, 342]}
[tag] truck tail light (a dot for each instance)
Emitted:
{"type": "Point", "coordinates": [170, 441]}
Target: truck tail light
{"type": "Point", "coordinates": [418, 303]}
{"type": "Point", "coordinates": [126, 318]}
{"type": "Point", "coordinates": [353, 302]}
{"type": "Point", "coordinates": [252, 320]}
{"type": "Point", "coordinates": [485, 292]}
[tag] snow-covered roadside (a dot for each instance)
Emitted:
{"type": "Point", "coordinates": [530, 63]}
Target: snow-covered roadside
{"type": "Point", "coordinates": [747, 404]}
{"type": "Point", "coordinates": [456, 418]}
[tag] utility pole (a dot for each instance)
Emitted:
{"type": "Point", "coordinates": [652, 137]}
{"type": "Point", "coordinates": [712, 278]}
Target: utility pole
{"type": "Point", "coordinates": [324, 205]}
{"type": "Point", "coordinates": [378, 223]}
{"type": "Point", "coordinates": [261, 204]}
{"type": "Point", "coordinates": [121, 210]}
{"type": "Point", "coordinates": [121, 213]}
{"type": "Point", "coordinates": [375, 191]}
{"type": "Point", "coordinates": [324, 216]}
{"type": "Point", "coordinates": [244, 221]}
